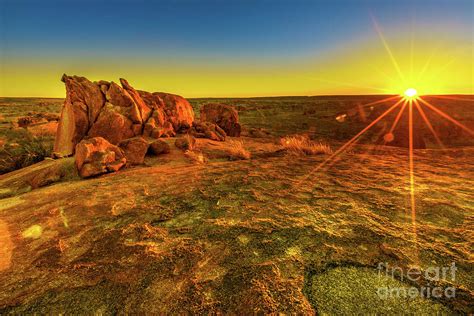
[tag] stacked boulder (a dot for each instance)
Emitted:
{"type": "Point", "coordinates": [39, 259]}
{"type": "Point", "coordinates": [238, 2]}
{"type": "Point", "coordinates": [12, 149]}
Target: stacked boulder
{"type": "Point", "coordinates": [116, 113]}
{"type": "Point", "coordinates": [96, 156]}
{"type": "Point", "coordinates": [107, 125]}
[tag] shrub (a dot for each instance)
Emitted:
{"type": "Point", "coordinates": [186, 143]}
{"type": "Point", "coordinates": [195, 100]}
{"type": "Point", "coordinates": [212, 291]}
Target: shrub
{"type": "Point", "coordinates": [299, 145]}
{"type": "Point", "coordinates": [25, 151]}
{"type": "Point", "coordinates": [237, 151]}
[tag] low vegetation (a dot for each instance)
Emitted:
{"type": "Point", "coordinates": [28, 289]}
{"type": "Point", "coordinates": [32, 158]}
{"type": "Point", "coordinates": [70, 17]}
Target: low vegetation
{"type": "Point", "coordinates": [303, 145]}
{"type": "Point", "coordinates": [195, 156]}
{"type": "Point", "coordinates": [24, 151]}
{"type": "Point", "coordinates": [237, 150]}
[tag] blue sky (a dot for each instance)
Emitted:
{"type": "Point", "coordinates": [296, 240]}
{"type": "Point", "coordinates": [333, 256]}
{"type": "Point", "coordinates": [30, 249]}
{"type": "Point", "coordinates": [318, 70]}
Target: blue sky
{"type": "Point", "coordinates": [192, 31]}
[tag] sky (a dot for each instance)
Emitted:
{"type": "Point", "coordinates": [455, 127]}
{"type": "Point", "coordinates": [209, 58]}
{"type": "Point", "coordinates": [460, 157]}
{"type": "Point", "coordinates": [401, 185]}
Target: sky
{"type": "Point", "coordinates": [239, 48]}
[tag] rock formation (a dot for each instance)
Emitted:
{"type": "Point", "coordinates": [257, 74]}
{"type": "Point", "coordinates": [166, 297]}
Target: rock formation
{"type": "Point", "coordinates": [106, 109]}
{"type": "Point", "coordinates": [134, 149]}
{"type": "Point", "coordinates": [96, 156]}
{"type": "Point", "coordinates": [225, 116]}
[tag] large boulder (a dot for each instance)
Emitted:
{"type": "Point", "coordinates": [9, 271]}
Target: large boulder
{"type": "Point", "coordinates": [135, 150]}
{"type": "Point", "coordinates": [159, 147]}
{"type": "Point", "coordinates": [115, 113]}
{"type": "Point", "coordinates": [112, 126]}
{"type": "Point", "coordinates": [178, 110]}
{"type": "Point", "coordinates": [83, 103]}
{"type": "Point", "coordinates": [96, 156]}
{"type": "Point", "coordinates": [225, 116]}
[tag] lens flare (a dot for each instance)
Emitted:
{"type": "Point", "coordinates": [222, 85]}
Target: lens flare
{"type": "Point", "coordinates": [410, 93]}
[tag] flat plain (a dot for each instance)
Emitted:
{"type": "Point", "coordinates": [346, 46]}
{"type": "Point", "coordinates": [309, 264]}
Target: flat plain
{"type": "Point", "coordinates": [267, 234]}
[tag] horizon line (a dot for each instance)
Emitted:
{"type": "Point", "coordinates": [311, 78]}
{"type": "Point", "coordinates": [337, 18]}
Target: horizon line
{"type": "Point", "coordinates": [269, 96]}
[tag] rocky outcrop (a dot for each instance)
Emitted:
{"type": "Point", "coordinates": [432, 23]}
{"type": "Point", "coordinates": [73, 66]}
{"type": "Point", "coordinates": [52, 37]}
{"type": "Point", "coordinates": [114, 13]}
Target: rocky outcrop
{"type": "Point", "coordinates": [116, 112]}
{"type": "Point", "coordinates": [225, 116]}
{"type": "Point", "coordinates": [96, 156]}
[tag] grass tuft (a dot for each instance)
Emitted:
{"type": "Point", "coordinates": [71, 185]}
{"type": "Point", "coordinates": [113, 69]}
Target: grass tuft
{"type": "Point", "coordinates": [237, 151]}
{"type": "Point", "coordinates": [195, 156]}
{"type": "Point", "coordinates": [302, 145]}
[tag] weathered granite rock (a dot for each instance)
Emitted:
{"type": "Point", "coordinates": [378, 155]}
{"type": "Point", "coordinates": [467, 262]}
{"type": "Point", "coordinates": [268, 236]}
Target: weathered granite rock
{"type": "Point", "coordinates": [134, 149]}
{"type": "Point", "coordinates": [178, 110]}
{"type": "Point", "coordinates": [112, 126]}
{"type": "Point", "coordinates": [225, 116]}
{"type": "Point", "coordinates": [96, 156]}
{"type": "Point", "coordinates": [159, 147]}
{"type": "Point", "coordinates": [114, 112]}
{"type": "Point", "coordinates": [208, 130]}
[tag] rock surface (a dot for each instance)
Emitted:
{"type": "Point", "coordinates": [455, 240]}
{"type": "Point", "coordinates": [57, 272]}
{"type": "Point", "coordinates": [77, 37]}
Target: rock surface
{"type": "Point", "coordinates": [159, 147]}
{"type": "Point", "coordinates": [237, 237]}
{"type": "Point", "coordinates": [134, 149]}
{"type": "Point", "coordinates": [225, 116]}
{"type": "Point", "coordinates": [208, 130]}
{"type": "Point", "coordinates": [114, 112]}
{"type": "Point", "coordinates": [35, 176]}
{"type": "Point", "coordinates": [96, 156]}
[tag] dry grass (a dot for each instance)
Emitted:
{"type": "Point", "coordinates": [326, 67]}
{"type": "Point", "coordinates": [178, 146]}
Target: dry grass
{"type": "Point", "coordinates": [26, 150]}
{"type": "Point", "coordinates": [195, 156]}
{"type": "Point", "coordinates": [302, 145]}
{"type": "Point", "coordinates": [237, 151]}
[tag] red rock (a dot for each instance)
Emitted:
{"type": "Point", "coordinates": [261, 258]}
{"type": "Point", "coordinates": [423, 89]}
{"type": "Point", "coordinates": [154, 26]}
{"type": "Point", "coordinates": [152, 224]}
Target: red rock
{"type": "Point", "coordinates": [143, 109]}
{"type": "Point", "coordinates": [105, 109]}
{"type": "Point", "coordinates": [180, 113]}
{"type": "Point", "coordinates": [153, 101]}
{"type": "Point", "coordinates": [208, 130]}
{"type": "Point", "coordinates": [225, 116]}
{"type": "Point", "coordinates": [137, 129]}
{"type": "Point", "coordinates": [134, 149]}
{"type": "Point", "coordinates": [82, 106]}
{"type": "Point", "coordinates": [164, 131]}
{"type": "Point", "coordinates": [112, 126]}
{"type": "Point", "coordinates": [159, 147]}
{"type": "Point", "coordinates": [116, 95]}
{"type": "Point", "coordinates": [73, 125]}
{"type": "Point", "coordinates": [157, 121]}
{"type": "Point", "coordinates": [81, 90]}
{"type": "Point", "coordinates": [96, 156]}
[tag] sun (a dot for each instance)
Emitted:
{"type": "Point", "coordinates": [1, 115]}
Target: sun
{"type": "Point", "coordinates": [410, 93]}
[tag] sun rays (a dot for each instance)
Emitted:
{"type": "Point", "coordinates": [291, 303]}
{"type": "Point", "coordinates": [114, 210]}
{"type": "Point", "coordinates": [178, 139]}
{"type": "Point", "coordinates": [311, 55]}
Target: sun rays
{"type": "Point", "coordinates": [407, 103]}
